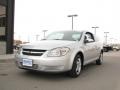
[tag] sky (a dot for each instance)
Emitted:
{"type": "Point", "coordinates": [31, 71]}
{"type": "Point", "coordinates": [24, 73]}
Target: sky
{"type": "Point", "coordinates": [34, 16]}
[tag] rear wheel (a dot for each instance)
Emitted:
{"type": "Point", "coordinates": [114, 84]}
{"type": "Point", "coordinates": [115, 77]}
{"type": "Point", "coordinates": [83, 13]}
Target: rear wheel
{"type": "Point", "coordinates": [76, 68]}
{"type": "Point", "coordinates": [100, 60]}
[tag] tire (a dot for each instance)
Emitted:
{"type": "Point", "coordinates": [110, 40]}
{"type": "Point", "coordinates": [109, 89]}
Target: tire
{"type": "Point", "coordinates": [100, 60]}
{"type": "Point", "coordinates": [76, 68]}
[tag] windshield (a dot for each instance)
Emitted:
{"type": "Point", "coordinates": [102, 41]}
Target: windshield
{"type": "Point", "coordinates": [65, 35]}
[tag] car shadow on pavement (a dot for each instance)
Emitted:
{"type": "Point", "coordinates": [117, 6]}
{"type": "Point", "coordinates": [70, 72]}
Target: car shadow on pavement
{"type": "Point", "coordinates": [44, 75]}
{"type": "Point", "coordinates": [88, 69]}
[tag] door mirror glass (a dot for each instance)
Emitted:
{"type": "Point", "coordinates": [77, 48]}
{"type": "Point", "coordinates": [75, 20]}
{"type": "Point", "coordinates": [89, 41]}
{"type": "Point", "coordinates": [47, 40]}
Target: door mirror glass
{"type": "Point", "coordinates": [86, 40]}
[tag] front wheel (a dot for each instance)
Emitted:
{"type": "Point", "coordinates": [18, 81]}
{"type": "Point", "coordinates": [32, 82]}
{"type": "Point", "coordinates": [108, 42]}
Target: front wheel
{"type": "Point", "coordinates": [76, 68]}
{"type": "Point", "coordinates": [100, 60]}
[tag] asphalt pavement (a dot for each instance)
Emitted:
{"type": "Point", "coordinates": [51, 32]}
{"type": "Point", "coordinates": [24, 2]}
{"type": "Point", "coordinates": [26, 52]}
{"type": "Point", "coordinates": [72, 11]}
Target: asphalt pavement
{"type": "Point", "coordinates": [93, 77]}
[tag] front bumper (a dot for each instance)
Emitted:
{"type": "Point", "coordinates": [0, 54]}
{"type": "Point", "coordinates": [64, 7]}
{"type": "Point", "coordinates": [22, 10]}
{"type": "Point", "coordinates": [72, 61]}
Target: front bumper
{"type": "Point", "coordinates": [45, 64]}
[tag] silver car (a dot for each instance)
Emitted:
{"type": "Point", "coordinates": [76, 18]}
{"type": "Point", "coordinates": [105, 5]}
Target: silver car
{"type": "Point", "coordinates": [62, 51]}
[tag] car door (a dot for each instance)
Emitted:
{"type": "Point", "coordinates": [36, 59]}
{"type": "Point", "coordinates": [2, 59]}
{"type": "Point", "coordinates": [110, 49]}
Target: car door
{"type": "Point", "coordinates": [90, 47]}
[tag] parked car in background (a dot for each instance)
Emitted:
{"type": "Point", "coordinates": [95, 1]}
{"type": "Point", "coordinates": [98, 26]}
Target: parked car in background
{"type": "Point", "coordinates": [107, 48]}
{"type": "Point", "coordinates": [116, 48]}
{"type": "Point", "coordinates": [62, 51]}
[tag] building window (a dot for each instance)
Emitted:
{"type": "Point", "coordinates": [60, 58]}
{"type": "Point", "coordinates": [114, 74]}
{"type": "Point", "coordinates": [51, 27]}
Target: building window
{"type": "Point", "coordinates": [2, 21]}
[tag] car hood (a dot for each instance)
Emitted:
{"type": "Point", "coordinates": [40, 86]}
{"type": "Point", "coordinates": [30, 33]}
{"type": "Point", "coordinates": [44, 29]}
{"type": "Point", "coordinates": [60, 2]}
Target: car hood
{"type": "Point", "coordinates": [48, 44]}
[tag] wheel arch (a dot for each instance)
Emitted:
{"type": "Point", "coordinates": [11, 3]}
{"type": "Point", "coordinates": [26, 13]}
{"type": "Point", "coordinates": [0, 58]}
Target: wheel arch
{"type": "Point", "coordinates": [73, 57]}
{"type": "Point", "coordinates": [82, 57]}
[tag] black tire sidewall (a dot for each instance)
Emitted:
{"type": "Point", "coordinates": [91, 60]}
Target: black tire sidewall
{"type": "Point", "coordinates": [99, 61]}
{"type": "Point", "coordinates": [73, 72]}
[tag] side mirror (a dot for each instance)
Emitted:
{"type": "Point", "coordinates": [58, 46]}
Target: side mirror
{"type": "Point", "coordinates": [86, 41]}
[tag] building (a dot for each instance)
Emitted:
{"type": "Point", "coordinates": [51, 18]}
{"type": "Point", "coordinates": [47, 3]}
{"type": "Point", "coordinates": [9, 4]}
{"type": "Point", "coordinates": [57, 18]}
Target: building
{"type": "Point", "coordinates": [6, 26]}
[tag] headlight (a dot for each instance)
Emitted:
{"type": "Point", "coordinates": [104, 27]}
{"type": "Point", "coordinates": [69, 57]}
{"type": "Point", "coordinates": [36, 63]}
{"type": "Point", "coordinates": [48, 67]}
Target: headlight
{"type": "Point", "coordinates": [57, 52]}
{"type": "Point", "coordinates": [19, 50]}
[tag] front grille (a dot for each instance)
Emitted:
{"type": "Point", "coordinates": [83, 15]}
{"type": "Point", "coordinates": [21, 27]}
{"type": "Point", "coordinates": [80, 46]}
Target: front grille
{"type": "Point", "coordinates": [33, 52]}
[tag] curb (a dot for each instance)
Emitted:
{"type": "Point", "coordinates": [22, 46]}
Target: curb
{"type": "Point", "coordinates": [7, 57]}
{"type": "Point", "coordinates": [6, 60]}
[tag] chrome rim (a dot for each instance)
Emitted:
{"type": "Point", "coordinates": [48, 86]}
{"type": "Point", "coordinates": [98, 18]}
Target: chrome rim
{"type": "Point", "coordinates": [78, 68]}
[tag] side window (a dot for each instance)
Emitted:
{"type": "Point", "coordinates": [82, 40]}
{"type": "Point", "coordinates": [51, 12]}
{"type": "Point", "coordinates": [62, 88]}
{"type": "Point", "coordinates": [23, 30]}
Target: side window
{"type": "Point", "coordinates": [89, 37]}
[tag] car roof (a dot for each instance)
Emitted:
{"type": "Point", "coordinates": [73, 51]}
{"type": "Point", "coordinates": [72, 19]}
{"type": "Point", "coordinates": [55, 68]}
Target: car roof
{"type": "Point", "coordinates": [72, 31]}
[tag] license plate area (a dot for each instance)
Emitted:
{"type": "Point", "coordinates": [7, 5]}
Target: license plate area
{"type": "Point", "coordinates": [27, 62]}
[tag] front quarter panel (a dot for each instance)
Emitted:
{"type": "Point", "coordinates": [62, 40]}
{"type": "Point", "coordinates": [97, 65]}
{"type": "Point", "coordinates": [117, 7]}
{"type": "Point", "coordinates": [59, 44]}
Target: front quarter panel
{"type": "Point", "coordinates": [77, 48]}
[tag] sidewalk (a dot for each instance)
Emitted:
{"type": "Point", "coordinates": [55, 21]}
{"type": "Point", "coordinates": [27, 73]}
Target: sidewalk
{"type": "Point", "coordinates": [7, 57]}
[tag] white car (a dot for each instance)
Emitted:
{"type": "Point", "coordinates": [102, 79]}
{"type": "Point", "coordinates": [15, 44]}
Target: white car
{"type": "Point", "coordinates": [62, 51]}
{"type": "Point", "coordinates": [116, 48]}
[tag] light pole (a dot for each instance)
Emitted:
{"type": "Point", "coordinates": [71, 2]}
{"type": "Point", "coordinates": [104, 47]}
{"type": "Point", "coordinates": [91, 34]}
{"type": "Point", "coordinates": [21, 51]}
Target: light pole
{"type": "Point", "coordinates": [75, 15]}
{"type": "Point", "coordinates": [106, 36]}
{"type": "Point", "coordinates": [95, 29]}
{"type": "Point", "coordinates": [44, 31]}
